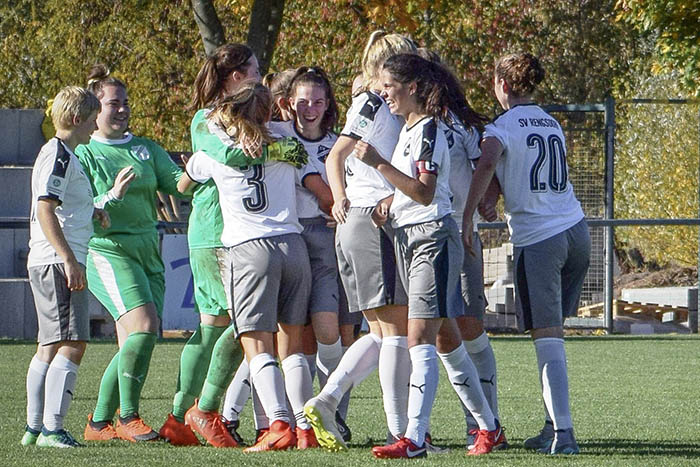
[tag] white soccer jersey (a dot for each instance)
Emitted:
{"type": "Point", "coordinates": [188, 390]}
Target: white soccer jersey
{"type": "Point", "coordinates": [256, 201]}
{"type": "Point", "coordinates": [464, 150]}
{"type": "Point", "coordinates": [369, 119]}
{"type": "Point", "coordinates": [423, 147]}
{"type": "Point", "coordinates": [307, 204]}
{"type": "Point", "coordinates": [534, 176]}
{"type": "Point", "coordinates": [58, 175]}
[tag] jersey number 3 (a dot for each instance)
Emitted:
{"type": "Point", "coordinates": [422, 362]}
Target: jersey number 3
{"type": "Point", "coordinates": [552, 149]}
{"type": "Point", "coordinates": [258, 202]}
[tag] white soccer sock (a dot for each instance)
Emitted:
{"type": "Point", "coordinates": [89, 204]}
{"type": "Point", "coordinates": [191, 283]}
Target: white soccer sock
{"type": "Point", "coordinates": [551, 361]}
{"type": "Point", "coordinates": [238, 392]}
{"type": "Point", "coordinates": [424, 382]}
{"type": "Point", "coordinates": [345, 401]}
{"type": "Point", "coordinates": [311, 361]}
{"type": "Point", "coordinates": [394, 376]}
{"type": "Point", "coordinates": [60, 384]}
{"type": "Point", "coordinates": [358, 362]}
{"type": "Point", "coordinates": [36, 378]}
{"type": "Point", "coordinates": [327, 359]}
{"type": "Point", "coordinates": [465, 381]}
{"type": "Point", "coordinates": [481, 354]}
{"type": "Point", "coordinates": [268, 382]}
{"type": "Point", "coordinates": [297, 380]}
{"type": "Point", "coordinates": [259, 417]}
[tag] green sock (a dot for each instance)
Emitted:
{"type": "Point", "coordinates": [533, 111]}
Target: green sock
{"type": "Point", "coordinates": [194, 362]}
{"type": "Point", "coordinates": [108, 396]}
{"type": "Point", "coordinates": [134, 359]}
{"type": "Point", "coordinates": [225, 359]}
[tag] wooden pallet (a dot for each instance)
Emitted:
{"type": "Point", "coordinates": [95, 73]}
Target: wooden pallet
{"type": "Point", "coordinates": [625, 308]}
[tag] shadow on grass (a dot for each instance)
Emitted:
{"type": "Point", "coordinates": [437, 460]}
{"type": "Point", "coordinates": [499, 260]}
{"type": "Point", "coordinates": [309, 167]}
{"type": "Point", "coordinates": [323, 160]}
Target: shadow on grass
{"type": "Point", "coordinates": [635, 447]}
{"type": "Point", "coordinates": [589, 447]}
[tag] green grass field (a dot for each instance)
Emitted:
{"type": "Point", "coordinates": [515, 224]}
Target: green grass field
{"type": "Point", "coordinates": [634, 402]}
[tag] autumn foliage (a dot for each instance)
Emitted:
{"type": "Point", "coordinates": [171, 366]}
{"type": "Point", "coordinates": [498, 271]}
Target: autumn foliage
{"type": "Point", "coordinates": [587, 49]}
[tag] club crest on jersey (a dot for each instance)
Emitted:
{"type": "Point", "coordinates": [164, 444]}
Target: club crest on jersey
{"type": "Point", "coordinates": [322, 153]}
{"type": "Point", "coordinates": [141, 152]}
{"type": "Point", "coordinates": [407, 150]}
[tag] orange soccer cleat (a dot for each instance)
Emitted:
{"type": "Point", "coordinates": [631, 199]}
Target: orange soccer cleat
{"type": "Point", "coordinates": [280, 437]}
{"type": "Point", "coordinates": [177, 433]}
{"type": "Point", "coordinates": [306, 438]}
{"type": "Point", "coordinates": [134, 429]}
{"type": "Point", "coordinates": [487, 441]}
{"type": "Point", "coordinates": [210, 426]}
{"type": "Point", "coordinates": [99, 431]}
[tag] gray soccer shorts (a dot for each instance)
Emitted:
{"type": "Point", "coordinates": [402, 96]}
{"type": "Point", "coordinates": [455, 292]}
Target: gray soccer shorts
{"type": "Point", "coordinates": [62, 314]}
{"type": "Point", "coordinates": [320, 243]}
{"type": "Point", "coordinates": [429, 258]}
{"type": "Point", "coordinates": [549, 277]}
{"type": "Point", "coordinates": [366, 262]}
{"type": "Point", "coordinates": [471, 300]}
{"type": "Point", "coordinates": [271, 283]}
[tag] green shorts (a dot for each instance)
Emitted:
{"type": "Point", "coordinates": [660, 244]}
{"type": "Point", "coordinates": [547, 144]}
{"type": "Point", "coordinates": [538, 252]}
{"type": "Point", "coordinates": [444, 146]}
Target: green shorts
{"type": "Point", "coordinates": [211, 274]}
{"type": "Point", "coordinates": [125, 272]}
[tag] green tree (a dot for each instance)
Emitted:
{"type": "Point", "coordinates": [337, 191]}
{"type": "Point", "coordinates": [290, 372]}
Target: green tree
{"type": "Point", "coordinates": [656, 171]}
{"type": "Point", "coordinates": [674, 26]}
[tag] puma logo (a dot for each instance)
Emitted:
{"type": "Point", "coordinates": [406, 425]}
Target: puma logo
{"type": "Point", "coordinates": [488, 381]}
{"type": "Point", "coordinates": [428, 143]}
{"type": "Point", "coordinates": [419, 387]}
{"type": "Point", "coordinates": [374, 106]}
{"type": "Point", "coordinates": [63, 162]}
{"type": "Point", "coordinates": [138, 379]}
{"type": "Point", "coordinates": [464, 383]}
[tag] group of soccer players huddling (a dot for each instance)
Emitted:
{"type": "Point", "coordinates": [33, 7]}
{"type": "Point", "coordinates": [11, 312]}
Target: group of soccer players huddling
{"type": "Point", "coordinates": [295, 235]}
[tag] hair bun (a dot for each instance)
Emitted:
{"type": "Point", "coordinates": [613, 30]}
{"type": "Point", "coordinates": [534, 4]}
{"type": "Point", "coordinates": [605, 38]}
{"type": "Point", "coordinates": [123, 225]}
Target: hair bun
{"type": "Point", "coordinates": [97, 72]}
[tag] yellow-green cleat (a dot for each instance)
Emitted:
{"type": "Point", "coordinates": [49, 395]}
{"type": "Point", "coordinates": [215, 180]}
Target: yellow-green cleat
{"type": "Point", "coordinates": [322, 419]}
{"type": "Point", "coordinates": [56, 439]}
{"type": "Point", "coordinates": [30, 436]}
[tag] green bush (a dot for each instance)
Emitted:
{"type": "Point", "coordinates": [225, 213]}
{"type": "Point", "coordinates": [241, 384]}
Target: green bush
{"type": "Point", "coordinates": [656, 171]}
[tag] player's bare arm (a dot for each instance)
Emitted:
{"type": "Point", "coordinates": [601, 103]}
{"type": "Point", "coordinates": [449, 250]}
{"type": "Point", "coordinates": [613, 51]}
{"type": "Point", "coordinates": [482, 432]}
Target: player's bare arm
{"type": "Point", "coordinates": [420, 189]}
{"type": "Point", "coordinates": [491, 150]}
{"type": "Point", "coordinates": [46, 214]}
{"type": "Point", "coordinates": [335, 170]}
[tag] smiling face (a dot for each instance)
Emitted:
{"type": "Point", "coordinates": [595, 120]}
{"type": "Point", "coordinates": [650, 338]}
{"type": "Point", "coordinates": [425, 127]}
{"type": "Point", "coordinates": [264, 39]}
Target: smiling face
{"type": "Point", "coordinates": [113, 119]}
{"type": "Point", "coordinates": [310, 103]}
{"type": "Point", "coordinates": [398, 96]}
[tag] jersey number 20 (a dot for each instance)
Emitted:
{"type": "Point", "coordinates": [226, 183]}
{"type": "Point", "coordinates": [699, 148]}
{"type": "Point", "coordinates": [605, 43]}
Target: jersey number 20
{"type": "Point", "coordinates": [552, 149]}
{"type": "Point", "coordinates": [257, 203]}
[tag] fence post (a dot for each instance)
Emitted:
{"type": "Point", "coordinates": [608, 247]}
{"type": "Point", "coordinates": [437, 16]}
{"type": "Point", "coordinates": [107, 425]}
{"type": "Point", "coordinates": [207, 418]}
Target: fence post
{"type": "Point", "coordinates": [693, 310]}
{"type": "Point", "coordinates": [609, 208]}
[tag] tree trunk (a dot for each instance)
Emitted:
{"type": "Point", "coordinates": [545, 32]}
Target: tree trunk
{"type": "Point", "coordinates": [210, 28]}
{"type": "Point", "coordinates": [265, 22]}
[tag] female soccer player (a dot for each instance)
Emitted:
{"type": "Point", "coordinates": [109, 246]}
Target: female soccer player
{"type": "Point", "coordinates": [365, 254]}
{"type": "Point", "coordinates": [271, 272]}
{"type": "Point", "coordinates": [315, 113]}
{"type": "Point", "coordinates": [463, 135]}
{"type": "Point", "coordinates": [429, 253]}
{"type": "Point", "coordinates": [278, 84]}
{"type": "Point", "coordinates": [124, 268]}
{"type": "Point", "coordinates": [221, 74]}
{"type": "Point", "coordinates": [60, 228]}
{"type": "Point", "coordinates": [526, 150]}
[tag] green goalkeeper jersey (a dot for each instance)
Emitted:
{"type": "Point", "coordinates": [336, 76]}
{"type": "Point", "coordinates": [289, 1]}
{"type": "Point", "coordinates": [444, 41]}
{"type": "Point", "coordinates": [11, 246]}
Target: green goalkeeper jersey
{"type": "Point", "coordinates": [206, 222]}
{"type": "Point", "coordinates": [136, 213]}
